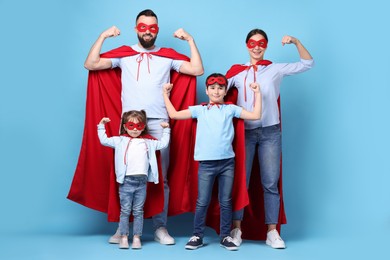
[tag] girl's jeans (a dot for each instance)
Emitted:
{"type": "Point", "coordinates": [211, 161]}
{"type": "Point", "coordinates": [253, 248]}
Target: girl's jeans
{"type": "Point", "coordinates": [132, 195]}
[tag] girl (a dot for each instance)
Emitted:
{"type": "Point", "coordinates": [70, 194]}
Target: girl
{"type": "Point", "coordinates": [135, 164]}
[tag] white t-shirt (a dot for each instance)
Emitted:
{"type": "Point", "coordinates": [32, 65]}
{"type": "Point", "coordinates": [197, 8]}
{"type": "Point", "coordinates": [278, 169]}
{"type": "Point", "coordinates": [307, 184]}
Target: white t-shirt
{"type": "Point", "coordinates": [143, 76]}
{"type": "Point", "coordinates": [137, 157]}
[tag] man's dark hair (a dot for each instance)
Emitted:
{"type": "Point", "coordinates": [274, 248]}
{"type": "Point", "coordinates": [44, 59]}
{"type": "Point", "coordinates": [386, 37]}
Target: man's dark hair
{"type": "Point", "coordinates": [146, 12]}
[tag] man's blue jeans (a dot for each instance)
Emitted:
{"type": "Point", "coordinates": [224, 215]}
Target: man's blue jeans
{"type": "Point", "coordinates": [155, 129]}
{"type": "Point", "coordinates": [268, 142]}
{"type": "Point", "coordinates": [132, 195]}
{"type": "Point", "coordinates": [223, 170]}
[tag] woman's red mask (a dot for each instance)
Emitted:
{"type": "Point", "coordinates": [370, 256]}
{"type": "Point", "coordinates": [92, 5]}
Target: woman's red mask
{"type": "Point", "coordinates": [142, 27]}
{"type": "Point", "coordinates": [219, 80]}
{"type": "Point", "coordinates": [131, 125]}
{"type": "Point", "coordinates": [252, 43]}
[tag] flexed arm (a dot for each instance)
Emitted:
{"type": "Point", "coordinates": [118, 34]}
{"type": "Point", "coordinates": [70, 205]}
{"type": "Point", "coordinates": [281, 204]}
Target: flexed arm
{"type": "Point", "coordinates": [183, 114]}
{"type": "Point", "coordinates": [303, 53]}
{"type": "Point", "coordinates": [256, 114]}
{"type": "Point", "coordinates": [195, 66]}
{"type": "Point", "coordinates": [93, 61]}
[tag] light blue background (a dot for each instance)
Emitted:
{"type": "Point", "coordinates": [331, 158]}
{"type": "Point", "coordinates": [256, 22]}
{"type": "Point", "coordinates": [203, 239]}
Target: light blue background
{"type": "Point", "coordinates": [335, 121]}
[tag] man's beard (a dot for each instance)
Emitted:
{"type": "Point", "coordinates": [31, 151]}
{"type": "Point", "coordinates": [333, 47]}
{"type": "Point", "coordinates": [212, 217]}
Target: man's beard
{"type": "Point", "coordinates": [147, 44]}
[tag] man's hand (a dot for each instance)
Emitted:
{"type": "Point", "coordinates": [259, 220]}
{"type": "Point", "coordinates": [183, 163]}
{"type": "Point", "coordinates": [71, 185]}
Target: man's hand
{"type": "Point", "coordinates": [111, 32]}
{"type": "Point", "coordinates": [183, 35]}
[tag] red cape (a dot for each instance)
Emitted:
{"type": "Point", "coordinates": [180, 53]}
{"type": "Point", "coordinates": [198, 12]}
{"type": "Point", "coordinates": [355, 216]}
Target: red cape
{"type": "Point", "coordinates": [253, 226]}
{"type": "Point", "coordinates": [94, 184]}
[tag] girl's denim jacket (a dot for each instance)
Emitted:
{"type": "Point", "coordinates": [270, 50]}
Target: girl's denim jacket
{"type": "Point", "coordinates": [119, 143]}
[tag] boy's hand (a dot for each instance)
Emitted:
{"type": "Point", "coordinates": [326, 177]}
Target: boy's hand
{"type": "Point", "coordinates": [164, 124]}
{"type": "Point", "coordinates": [104, 120]}
{"type": "Point", "coordinates": [167, 87]}
{"type": "Point", "coordinates": [255, 87]}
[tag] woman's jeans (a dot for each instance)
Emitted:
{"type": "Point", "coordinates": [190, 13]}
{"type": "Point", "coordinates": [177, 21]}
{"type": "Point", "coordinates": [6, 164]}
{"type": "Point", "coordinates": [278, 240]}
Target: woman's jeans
{"type": "Point", "coordinates": [208, 172]}
{"type": "Point", "coordinates": [132, 195]}
{"type": "Point", "coordinates": [267, 140]}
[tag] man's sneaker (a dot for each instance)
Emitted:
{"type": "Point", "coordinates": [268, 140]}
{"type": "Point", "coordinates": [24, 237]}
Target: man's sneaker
{"type": "Point", "coordinates": [123, 242]}
{"type": "Point", "coordinates": [274, 240]}
{"type": "Point", "coordinates": [227, 242]}
{"type": "Point", "coordinates": [115, 239]}
{"type": "Point", "coordinates": [161, 235]}
{"type": "Point", "coordinates": [194, 243]}
{"type": "Point", "coordinates": [136, 243]}
{"type": "Point", "coordinates": [236, 235]}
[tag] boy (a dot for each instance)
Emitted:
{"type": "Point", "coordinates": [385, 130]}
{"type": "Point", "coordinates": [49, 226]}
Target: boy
{"type": "Point", "coordinates": [213, 150]}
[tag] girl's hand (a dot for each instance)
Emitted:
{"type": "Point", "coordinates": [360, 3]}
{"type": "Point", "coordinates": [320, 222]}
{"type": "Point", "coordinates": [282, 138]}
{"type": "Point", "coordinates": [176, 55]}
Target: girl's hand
{"type": "Point", "coordinates": [104, 120]}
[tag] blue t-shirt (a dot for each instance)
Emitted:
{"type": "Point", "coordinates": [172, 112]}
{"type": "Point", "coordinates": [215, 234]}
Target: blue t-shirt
{"type": "Point", "coordinates": [215, 131]}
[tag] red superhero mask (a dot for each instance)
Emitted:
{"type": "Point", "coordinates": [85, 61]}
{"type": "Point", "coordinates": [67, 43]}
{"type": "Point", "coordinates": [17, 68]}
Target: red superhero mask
{"type": "Point", "coordinates": [131, 125]}
{"type": "Point", "coordinates": [252, 43]}
{"type": "Point", "coordinates": [153, 28]}
{"type": "Point", "coordinates": [220, 80]}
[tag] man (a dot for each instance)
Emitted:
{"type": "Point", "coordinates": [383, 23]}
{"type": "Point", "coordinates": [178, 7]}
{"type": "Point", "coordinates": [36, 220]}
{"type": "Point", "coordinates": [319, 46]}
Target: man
{"type": "Point", "coordinates": [144, 69]}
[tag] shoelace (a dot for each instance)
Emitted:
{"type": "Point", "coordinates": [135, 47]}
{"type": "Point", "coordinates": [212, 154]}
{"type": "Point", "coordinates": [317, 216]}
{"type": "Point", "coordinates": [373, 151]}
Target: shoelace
{"type": "Point", "coordinates": [193, 238]}
{"type": "Point", "coordinates": [228, 238]}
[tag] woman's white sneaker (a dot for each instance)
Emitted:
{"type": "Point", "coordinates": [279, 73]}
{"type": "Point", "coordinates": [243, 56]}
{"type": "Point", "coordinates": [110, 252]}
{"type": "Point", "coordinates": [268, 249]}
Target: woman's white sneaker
{"type": "Point", "coordinates": [274, 240]}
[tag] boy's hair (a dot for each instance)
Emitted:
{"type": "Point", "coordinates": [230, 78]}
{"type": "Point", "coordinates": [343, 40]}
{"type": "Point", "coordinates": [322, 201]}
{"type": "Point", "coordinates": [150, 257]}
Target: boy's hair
{"type": "Point", "coordinates": [146, 12]}
{"type": "Point", "coordinates": [134, 114]}
{"type": "Point", "coordinates": [254, 32]}
{"type": "Point", "coordinates": [216, 75]}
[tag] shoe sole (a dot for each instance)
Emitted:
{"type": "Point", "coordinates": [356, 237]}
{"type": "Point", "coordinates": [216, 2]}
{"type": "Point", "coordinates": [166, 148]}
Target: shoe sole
{"type": "Point", "coordinates": [275, 247]}
{"type": "Point", "coordinates": [113, 241]}
{"type": "Point", "coordinates": [230, 248]}
{"type": "Point", "coordinates": [169, 243]}
{"type": "Point", "coordinates": [193, 247]}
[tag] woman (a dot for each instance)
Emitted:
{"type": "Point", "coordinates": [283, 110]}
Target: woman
{"type": "Point", "coordinates": [264, 136]}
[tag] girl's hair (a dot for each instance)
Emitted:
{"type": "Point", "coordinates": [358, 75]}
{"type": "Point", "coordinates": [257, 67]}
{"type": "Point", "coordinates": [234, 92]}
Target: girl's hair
{"type": "Point", "coordinates": [134, 114]}
{"type": "Point", "coordinates": [254, 32]}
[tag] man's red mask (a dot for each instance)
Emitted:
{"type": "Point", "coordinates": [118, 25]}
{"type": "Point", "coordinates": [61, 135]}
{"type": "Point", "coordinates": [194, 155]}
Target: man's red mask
{"type": "Point", "coordinates": [142, 27]}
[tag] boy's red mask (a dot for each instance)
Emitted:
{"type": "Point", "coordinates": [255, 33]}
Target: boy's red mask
{"type": "Point", "coordinates": [219, 80]}
{"type": "Point", "coordinates": [142, 27]}
{"type": "Point", "coordinates": [252, 43]}
{"type": "Point", "coordinates": [131, 125]}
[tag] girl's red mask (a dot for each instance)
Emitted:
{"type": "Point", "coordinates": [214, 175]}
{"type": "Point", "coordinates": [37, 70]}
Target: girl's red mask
{"type": "Point", "coordinates": [131, 125]}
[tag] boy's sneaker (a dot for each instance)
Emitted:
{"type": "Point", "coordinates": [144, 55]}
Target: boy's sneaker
{"type": "Point", "coordinates": [227, 242]}
{"type": "Point", "coordinates": [115, 239]}
{"type": "Point", "coordinates": [236, 235]}
{"type": "Point", "coordinates": [194, 243]}
{"type": "Point", "coordinates": [274, 240]}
